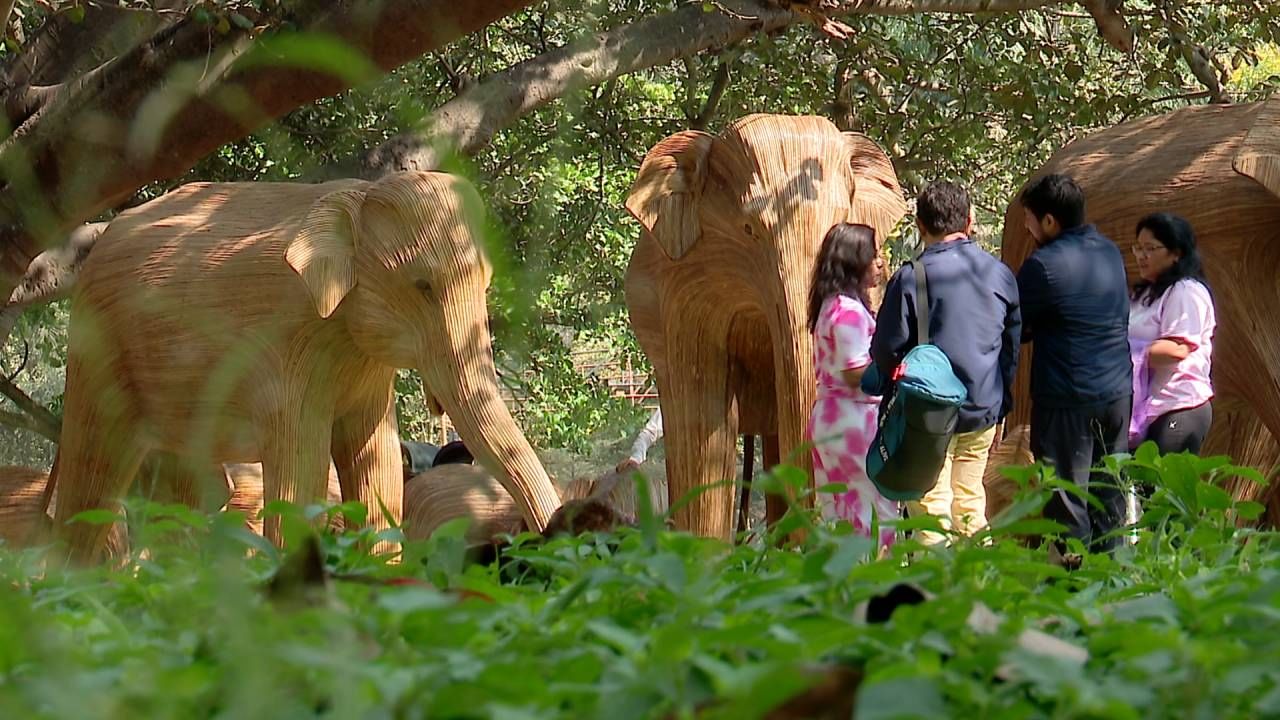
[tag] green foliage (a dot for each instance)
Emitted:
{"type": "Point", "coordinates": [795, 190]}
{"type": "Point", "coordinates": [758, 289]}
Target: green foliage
{"type": "Point", "coordinates": [563, 409]}
{"type": "Point", "coordinates": [650, 624]}
{"type": "Point", "coordinates": [40, 341]}
{"type": "Point", "coordinates": [1257, 72]}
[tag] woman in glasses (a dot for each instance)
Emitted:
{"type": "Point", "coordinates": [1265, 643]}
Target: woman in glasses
{"type": "Point", "coordinates": [1171, 326]}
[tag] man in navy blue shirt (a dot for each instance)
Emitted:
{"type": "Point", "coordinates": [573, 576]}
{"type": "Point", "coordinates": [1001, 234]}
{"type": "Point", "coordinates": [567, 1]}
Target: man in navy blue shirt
{"type": "Point", "coordinates": [1075, 309]}
{"type": "Point", "coordinates": [974, 318]}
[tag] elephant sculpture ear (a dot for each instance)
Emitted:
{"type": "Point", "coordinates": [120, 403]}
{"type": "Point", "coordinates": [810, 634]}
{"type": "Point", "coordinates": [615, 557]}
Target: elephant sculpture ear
{"type": "Point", "coordinates": [323, 251]}
{"type": "Point", "coordinates": [668, 189]}
{"type": "Point", "coordinates": [877, 196]}
{"type": "Point", "coordinates": [1259, 154]}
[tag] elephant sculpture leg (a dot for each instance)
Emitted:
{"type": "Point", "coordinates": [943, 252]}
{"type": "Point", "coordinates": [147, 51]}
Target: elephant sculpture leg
{"type": "Point", "coordinates": [366, 451]}
{"type": "Point", "coordinates": [774, 506]}
{"type": "Point", "coordinates": [701, 406]}
{"type": "Point", "coordinates": [295, 466]}
{"type": "Point", "coordinates": [103, 450]}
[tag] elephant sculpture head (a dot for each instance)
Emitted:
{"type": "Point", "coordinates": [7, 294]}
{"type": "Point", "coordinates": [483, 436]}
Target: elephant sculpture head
{"type": "Point", "coordinates": [1218, 166]}
{"type": "Point", "coordinates": [718, 284]}
{"type": "Point", "coordinates": [404, 258]}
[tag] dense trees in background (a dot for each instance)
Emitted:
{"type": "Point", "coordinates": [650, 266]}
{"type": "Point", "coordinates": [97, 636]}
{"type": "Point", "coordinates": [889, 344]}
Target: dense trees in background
{"type": "Point", "coordinates": [549, 108]}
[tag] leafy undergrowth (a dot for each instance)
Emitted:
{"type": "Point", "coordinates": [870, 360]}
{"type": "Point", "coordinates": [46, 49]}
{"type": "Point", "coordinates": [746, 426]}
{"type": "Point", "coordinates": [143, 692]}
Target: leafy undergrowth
{"type": "Point", "coordinates": [650, 624]}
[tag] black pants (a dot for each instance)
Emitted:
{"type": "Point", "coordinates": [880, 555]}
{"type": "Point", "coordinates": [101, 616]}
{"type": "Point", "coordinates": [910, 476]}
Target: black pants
{"type": "Point", "coordinates": [1181, 430]}
{"type": "Point", "coordinates": [1176, 432]}
{"type": "Point", "coordinates": [1073, 441]}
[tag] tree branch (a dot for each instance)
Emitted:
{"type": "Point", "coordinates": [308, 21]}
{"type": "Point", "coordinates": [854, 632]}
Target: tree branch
{"type": "Point", "coordinates": [51, 276]}
{"type": "Point", "coordinates": [912, 7]}
{"type": "Point", "coordinates": [468, 122]}
{"type": "Point", "coordinates": [153, 112]}
{"type": "Point", "coordinates": [841, 106]}
{"type": "Point", "coordinates": [692, 76]}
{"type": "Point", "coordinates": [19, 421]}
{"type": "Point", "coordinates": [42, 420]}
{"type": "Point", "coordinates": [719, 84]}
{"type": "Point", "coordinates": [1111, 23]}
{"type": "Point", "coordinates": [1196, 57]}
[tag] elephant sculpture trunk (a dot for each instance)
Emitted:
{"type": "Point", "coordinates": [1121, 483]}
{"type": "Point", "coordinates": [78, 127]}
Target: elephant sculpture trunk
{"type": "Point", "coordinates": [493, 437]}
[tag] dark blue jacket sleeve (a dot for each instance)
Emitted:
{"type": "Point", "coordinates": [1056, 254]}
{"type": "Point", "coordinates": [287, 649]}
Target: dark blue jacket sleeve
{"type": "Point", "coordinates": [892, 336]}
{"type": "Point", "coordinates": [1033, 296]}
{"type": "Point", "coordinates": [1010, 341]}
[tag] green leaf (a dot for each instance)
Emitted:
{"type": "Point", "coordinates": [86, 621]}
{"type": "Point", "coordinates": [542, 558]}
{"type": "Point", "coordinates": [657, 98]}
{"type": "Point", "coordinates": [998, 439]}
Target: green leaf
{"type": "Point", "coordinates": [1032, 527]}
{"type": "Point", "coordinates": [315, 52]}
{"type": "Point", "coordinates": [1250, 510]}
{"type": "Point", "coordinates": [849, 551]}
{"type": "Point", "coordinates": [623, 640]}
{"type": "Point", "coordinates": [96, 517]}
{"type": "Point", "coordinates": [1212, 497]}
{"type": "Point", "coordinates": [414, 599]}
{"type": "Point", "coordinates": [909, 698]}
{"type": "Point", "coordinates": [668, 568]}
{"type": "Point", "coordinates": [391, 535]}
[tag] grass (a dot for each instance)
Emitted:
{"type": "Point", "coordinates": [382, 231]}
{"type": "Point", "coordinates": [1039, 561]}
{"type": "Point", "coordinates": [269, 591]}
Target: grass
{"type": "Point", "coordinates": [652, 624]}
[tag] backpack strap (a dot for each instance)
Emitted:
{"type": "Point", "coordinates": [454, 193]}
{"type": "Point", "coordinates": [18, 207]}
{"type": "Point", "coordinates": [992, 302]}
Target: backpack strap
{"type": "Point", "coordinates": [922, 301]}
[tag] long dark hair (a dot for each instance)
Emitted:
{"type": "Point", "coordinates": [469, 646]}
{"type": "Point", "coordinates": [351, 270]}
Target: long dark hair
{"type": "Point", "coordinates": [848, 252]}
{"type": "Point", "coordinates": [1175, 233]}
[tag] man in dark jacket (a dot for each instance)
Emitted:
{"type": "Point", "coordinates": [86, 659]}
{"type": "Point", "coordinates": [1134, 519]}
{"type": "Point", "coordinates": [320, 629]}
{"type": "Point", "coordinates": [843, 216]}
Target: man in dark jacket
{"type": "Point", "coordinates": [974, 319]}
{"type": "Point", "coordinates": [1075, 308]}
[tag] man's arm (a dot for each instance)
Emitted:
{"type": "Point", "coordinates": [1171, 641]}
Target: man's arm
{"type": "Point", "coordinates": [649, 434]}
{"type": "Point", "coordinates": [893, 329]}
{"type": "Point", "coordinates": [1010, 342]}
{"type": "Point", "coordinates": [1033, 296]}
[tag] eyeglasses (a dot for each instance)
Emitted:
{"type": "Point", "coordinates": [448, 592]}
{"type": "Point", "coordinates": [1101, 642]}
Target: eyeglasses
{"type": "Point", "coordinates": [1147, 250]}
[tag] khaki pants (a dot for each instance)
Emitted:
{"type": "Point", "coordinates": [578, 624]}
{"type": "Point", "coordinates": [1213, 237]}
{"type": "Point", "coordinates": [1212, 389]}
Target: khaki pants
{"type": "Point", "coordinates": [959, 498]}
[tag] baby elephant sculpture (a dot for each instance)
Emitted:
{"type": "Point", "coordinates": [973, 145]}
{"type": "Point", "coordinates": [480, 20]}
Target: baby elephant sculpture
{"type": "Point", "coordinates": [449, 492]}
{"type": "Point", "coordinates": [1218, 166]}
{"type": "Point", "coordinates": [21, 494]}
{"type": "Point", "coordinates": [718, 284]}
{"type": "Point", "coordinates": [246, 494]}
{"type": "Point", "coordinates": [264, 322]}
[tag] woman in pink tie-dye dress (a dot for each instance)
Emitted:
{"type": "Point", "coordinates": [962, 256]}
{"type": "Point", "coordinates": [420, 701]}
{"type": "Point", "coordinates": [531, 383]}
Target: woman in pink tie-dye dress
{"type": "Point", "coordinates": [843, 421]}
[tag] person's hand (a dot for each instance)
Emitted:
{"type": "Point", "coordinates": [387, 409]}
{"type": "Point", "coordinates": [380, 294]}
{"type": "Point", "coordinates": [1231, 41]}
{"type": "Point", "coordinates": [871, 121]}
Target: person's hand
{"type": "Point", "coordinates": [626, 465]}
{"type": "Point", "coordinates": [995, 441]}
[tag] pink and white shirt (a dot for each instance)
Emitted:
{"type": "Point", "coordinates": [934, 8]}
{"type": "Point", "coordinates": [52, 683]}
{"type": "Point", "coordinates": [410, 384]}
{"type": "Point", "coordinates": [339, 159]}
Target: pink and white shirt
{"type": "Point", "coordinates": [1184, 313]}
{"type": "Point", "coordinates": [842, 341]}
